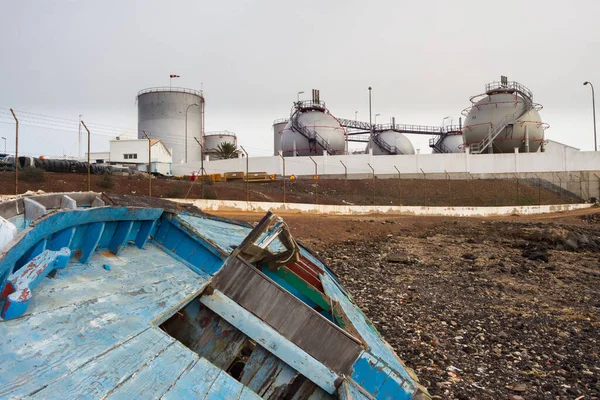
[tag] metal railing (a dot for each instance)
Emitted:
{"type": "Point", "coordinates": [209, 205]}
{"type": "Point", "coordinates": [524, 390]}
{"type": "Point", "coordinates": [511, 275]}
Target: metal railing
{"type": "Point", "coordinates": [385, 146]}
{"type": "Point", "coordinates": [308, 104]}
{"type": "Point", "coordinates": [313, 137]}
{"type": "Point", "coordinates": [280, 121]}
{"type": "Point", "coordinates": [170, 89]}
{"type": "Point", "coordinates": [476, 148]}
{"type": "Point", "coordinates": [438, 144]}
{"type": "Point", "coordinates": [509, 85]}
{"type": "Point", "coordinates": [401, 128]}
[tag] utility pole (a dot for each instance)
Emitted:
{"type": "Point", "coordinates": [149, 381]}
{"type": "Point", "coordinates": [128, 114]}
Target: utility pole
{"type": "Point", "coordinates": [89, 173]}
{"type": "Point", "coordinates": [283, 160]}
{"type": "Point", "coordinates": [149, 164]}
{"type": "Point", "coordinates": [79, 136]}
{"type": "Point", "coordinates": [594, 111]}
{"type": "Point", "coordinates": [370, 123]}
{"type": "Point", "coordinates": [16, 152]}
{"type": "Point", "coordinates": [247, 191]}
{"type": "Point", "coordinates": [201, 165]}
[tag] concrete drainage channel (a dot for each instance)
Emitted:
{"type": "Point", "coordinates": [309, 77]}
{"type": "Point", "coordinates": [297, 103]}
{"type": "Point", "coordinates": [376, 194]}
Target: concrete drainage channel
{"type": "Point", "coordinates": [297, 208]}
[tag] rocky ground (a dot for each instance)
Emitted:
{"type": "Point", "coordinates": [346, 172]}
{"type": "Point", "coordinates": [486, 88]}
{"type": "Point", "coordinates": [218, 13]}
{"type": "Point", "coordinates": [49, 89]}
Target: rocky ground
{"type": "Point", "coordinates": [479, 308]}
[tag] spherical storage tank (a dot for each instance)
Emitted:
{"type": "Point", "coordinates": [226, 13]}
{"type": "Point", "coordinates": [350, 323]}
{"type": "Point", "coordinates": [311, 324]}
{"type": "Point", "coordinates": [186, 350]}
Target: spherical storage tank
{"type": "Point", "coordinates": [451, 144]}
{"type": "Point", "coordinates": [391, 142]}
{"type": "Point", "coordinates": [162, 114]}
{"type": "Point", "coordinates": [508, 107]}
{"type": "Point", "coordinates": [278, 128]}
{"type": "Point", "coordinates": [212, 140]}
{"type": "Point", "coordinates": [312, 129]}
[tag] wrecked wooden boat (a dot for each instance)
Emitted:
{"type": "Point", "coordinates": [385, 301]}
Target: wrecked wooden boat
{"type": "Point", "coordinates": [102, 300]}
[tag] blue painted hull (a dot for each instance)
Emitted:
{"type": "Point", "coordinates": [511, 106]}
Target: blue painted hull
{"type": "Point", "coordinates": [141, 303]}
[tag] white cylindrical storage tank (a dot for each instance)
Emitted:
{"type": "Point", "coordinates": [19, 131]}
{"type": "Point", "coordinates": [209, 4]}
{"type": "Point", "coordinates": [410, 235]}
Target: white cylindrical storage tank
{"type": "Point", "coordinates": [391, 140]}
{"type": "Point", "coordinates": [504, 101]}
{"type": "Point", "coordinates": [162, 114]}
{"type": "Point", "coordinates": [329, 131]}
{"type": "Point", "coordinates": [452, 143]}
{"type": "Point", "coordinates": [212, 140]}
{"type": "Point", "coordinates": [278, 128]}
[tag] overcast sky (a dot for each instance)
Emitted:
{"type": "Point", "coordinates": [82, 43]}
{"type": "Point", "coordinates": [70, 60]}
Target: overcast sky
{"type": "Point", "coordinates": [424, 59]}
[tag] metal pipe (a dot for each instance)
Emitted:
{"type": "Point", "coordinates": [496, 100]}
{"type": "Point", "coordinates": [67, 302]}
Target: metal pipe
{"type": "Point", "coordinates": [149, 164]}
{"type": "Point", "coordinates": [186, 124]}
{"type": "Point", "coordinates": [89, 178]}
{"type": "Point", "coordinates": [247, 190]}
{"type": "Point", "coordinates": [594, 111]}
{"type": "Point", "coordinates": [16, 152]}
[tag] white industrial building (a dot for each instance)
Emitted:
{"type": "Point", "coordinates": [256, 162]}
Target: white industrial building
{"type": "Point", "coordinates": [134, 152]}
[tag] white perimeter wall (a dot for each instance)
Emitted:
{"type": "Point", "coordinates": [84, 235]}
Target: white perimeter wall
{"type": "Point", "coordinates": [295, 208]}
{"type": "Point", "coordinates": [559, 161]}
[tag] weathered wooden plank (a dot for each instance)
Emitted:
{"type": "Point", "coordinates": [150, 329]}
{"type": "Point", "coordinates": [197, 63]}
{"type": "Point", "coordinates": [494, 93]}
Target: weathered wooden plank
{"type": "Point", "coordinates": [225, 388]}
{"type": "Point", "coordinates": [17, 292]}
{"type": "Point", "coordinates": [377, 345]}
{"type": "Point", "coordinates": [280, 382]}
{"type": "Point", "coordinates": [103, 374]}
{"type": "Point", "coordinates": [258, 294]}
{"type": "Point", "coordinates": [155, 378]}
{"type": "Point", "coordinates": [61, 239]}
{"type": "Point", "coordinates": [218, 341]}
{"type": "Point", "coordinates": [248, 394]}
{"type": "Point", "coordinates": [33, 209]}
{"type": "Point", "coordinates": [35, 357]}
{"type": "Point", "coordinates": [130, 260]}
{"type": "Point", "coordinates": [144, 233]}
{"type": "Point", "coordinates": [91, 240]}
{"type": "Point", "coordinates": [119, 239]}
{"type": "Point", "coordinates": [67, 202]}
{"type": "Point", "coordinates": [261, 370]}
{"type": "Point", "coordinates": [271, 340]}
{"type": "Point", "coordinates": [67, 292]}
{"type": "Point", "coordinates": [48, 224]}
{"type": "Point", "coordinates": [195, 383]}
{"type": "Point", "coordinates": [319, 394]}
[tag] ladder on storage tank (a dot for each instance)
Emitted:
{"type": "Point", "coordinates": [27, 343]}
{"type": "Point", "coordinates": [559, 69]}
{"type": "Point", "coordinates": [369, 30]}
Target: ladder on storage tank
{"type": "Point", "coordinates": [314, 139]}
{"type": "Point", "coordinates": [508, 121]}
{"type": "Point", "coordinates": [392, 150]}
{"type": "Point", "coordinates": [438, 144]}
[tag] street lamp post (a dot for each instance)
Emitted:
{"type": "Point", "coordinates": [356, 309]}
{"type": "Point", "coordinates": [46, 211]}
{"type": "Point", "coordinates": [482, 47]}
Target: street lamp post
{"type": "Point", "coordinates": [370, 114]}
{"type": "Point", "coordinates": [594, 111]}
{"type": "Point", "coordinates": [3, 138]}
{"type": "Point", "coordinates": [186, 139]}
{"type": "Point", "coordinates": [356, 115]}
{"type": "Point", "coordinates": [444, 121]}
{"type": "Point", "coordinates": [376, 115]}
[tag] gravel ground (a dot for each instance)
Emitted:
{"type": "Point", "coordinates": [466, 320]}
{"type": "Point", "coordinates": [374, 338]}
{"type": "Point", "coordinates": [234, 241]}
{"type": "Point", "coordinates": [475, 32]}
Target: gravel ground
{"type": "Point", "coordinates": [484, 309]}
{"type": "Point", "coordinates": [498, 308]}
